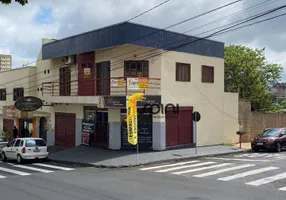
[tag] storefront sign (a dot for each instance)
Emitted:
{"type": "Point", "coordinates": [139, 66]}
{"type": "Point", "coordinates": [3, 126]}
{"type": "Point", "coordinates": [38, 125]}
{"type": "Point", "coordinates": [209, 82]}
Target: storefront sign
{"type": "Point", "coordinates": [117, 82]}
{"type": "Point", "coordinates": [87, 73]}
{"type": "Point", "coordinates": [28, 104]}
{"type": "Point", "coordinates": [11, 112]}
{"type": "Point", "coordinates": [137, 83]}
{"type": "Point", "coordinates": [145, 139]}
{"type": "Point", "coordinates": [87, 127]}
{"type": "Point", "coordinates": [150, 100]}
{"type": "Point", "coordinates": [115, 102]}
{"type": "Point", "coordinates": [85, 138]}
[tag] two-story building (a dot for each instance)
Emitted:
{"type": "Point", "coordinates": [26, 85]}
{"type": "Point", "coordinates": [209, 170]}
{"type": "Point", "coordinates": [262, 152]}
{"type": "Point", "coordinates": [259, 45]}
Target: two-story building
{"type": "Point", "coordinates": [15, 84]}
{"type": "Point", "coordinates": [85, 79]}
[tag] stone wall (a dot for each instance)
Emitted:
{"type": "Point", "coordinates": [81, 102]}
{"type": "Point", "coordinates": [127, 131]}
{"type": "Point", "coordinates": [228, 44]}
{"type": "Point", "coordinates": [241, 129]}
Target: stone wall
{"type": "Point", "coordinates": [255, 122]}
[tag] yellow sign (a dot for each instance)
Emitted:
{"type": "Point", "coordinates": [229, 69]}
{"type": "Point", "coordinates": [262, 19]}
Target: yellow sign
{"type": "Point", "coordinates": [87, 73]}
{"type": "Point", "coordinates": [117, 82]}
{"type": "Point", "coordinates": [131, 119]}
{"type": "Point", "coordinates": [137, 83]}
{"type": "Point", "coordinates": [142, 83]}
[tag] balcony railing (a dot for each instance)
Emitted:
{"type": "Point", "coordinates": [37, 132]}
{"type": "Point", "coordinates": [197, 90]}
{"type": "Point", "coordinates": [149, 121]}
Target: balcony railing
{"type": "Point", "coordinates": [116, 86]}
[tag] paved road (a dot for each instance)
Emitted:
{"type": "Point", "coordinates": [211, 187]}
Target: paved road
{"type": "Point", "coordinates": [218, 178]}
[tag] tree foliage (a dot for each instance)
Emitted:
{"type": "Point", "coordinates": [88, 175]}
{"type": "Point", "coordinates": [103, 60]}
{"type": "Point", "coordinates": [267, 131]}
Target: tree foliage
{"type": "Point", "coordinates": [247, 71]}
{"type": "Point", "coordinates": [7, 2]}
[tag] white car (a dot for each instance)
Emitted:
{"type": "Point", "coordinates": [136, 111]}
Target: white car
{"type": "Point", "coordinates": [21, 149]}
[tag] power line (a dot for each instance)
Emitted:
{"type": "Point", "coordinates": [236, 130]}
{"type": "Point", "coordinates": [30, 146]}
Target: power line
{"type": "Point", "coordinates": [176, 41]}
{"type": "Point", "coordinates": [173, 25]}
{"type": "Point", "coordinates": [148, 10]}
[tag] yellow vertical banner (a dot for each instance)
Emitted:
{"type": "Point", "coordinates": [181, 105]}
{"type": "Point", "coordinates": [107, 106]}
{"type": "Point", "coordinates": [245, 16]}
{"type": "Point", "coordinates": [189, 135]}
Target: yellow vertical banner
{"type": "Point", "coordinates": [131, 119]}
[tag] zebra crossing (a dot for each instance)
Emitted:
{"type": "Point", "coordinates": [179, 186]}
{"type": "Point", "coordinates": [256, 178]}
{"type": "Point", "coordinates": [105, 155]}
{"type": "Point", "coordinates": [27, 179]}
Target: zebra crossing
{"type": "Point", "coordinates": [250, 173]}
{"type": "Point", "coordinates": [11, 169]}
{"type": "Point", "coordinates": [262, 155]}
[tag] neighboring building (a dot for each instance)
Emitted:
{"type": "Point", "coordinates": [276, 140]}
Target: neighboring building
{"type": "Point", "coordinates": [5, 62]}
{"type": "Point", "coordinates": [280, 90]}
{"type": "Point", "coordinates": [14, 84]}
{"type": "Point", "coordinates": [84, 82]}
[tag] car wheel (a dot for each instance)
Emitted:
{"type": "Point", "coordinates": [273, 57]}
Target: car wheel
{"type": "Point", "coordinates": [19, 159]}
{"type": "Point", "coordinates": [3, 157]}
{"type": "Point", "coordinates": [278, 147]}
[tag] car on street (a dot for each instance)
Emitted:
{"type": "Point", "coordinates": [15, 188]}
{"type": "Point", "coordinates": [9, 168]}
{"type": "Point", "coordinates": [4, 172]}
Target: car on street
{"type": "Point", "coordinates": [3, 143]}
{"type": "Point", "coordinates": [21, 149]}
{"type": "Point", "coordinates": [270, 139]}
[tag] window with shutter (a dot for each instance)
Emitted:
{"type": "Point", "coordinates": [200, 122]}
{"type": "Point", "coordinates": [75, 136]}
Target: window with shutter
{"type": "Point", "coordinates": [18, 93]}
{"type": "Point", "coordinates": [183, 72]}
{"type": "Point", "coordinates": [136, 68]}
{"type": "Point", "coordinates": [207, 74]}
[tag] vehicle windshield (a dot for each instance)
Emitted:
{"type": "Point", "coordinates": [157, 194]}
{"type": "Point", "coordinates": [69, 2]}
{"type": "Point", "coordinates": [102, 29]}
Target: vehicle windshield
{"type": "Point", "coordinates": [270, 133]}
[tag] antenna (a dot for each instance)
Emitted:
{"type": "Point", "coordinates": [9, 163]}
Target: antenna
{"type": "Point", "coordinates": [24, 63]}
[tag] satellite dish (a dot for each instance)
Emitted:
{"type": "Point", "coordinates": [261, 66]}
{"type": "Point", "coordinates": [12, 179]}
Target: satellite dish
{"type": "Point", "coordinates": [24, 63]}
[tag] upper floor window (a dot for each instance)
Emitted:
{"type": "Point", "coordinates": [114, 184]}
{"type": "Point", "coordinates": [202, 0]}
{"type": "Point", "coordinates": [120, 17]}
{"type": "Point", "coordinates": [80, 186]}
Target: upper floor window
{"type": "Point", "coordinates": [18, 93]}
{"type": "Point", "coordinates": [207, 74]}
{"type": "Point", "coordinates": [2, 94]}
{"type": "Point", "coordinates": [136, 68]}
{"type": "Point", "coordinates": [183, 72]}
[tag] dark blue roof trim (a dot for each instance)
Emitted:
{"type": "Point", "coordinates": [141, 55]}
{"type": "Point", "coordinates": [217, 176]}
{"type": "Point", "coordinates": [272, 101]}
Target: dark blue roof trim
{"type": "Point", "coordinates": [129, 33]}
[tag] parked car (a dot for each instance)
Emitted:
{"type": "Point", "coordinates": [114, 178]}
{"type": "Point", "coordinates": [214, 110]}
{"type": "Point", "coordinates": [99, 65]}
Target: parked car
{"type": "Point", "coordinates": [3, 143]}
{"type": "Point", "coordinates": [270, 139]}
{"type": "Point", "coordinates": [21, 149]}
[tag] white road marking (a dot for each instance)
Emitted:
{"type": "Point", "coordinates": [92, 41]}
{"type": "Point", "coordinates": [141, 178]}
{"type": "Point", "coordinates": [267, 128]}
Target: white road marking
{"type": "Point", "coordinates": [248, 173]}
{"type": "Point", "coordinates": [186, 166]}
{"type": "Point", "coordinates": [32, 168]}
{"type": "Point", "coordinates": [14, 171]}
{"type": "Point", "coordinates": [242, 155]}
{"type": "Point", "coordinates": [2, 176]}
{"type": "Point", "coordinates": [170, 165]}
{"type": "Point", "coordinates": [282, 189]}
{"type": "Point", "coordinates": [200, 169]}
{"type": "Point", "coordinates": [241, 159]}
{"type": "Point", "coordinates": [267, 180]}
{"type": "Point", "coordinates": [223, 170]}
{"type": "Point", "coordinates": [54, 167]}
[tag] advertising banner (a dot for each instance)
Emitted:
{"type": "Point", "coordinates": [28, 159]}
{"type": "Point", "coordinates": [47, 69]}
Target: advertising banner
{"type": "Point", "coordinates": [118, 82]}
{"type": "Point", "coordinates": [137, 83]}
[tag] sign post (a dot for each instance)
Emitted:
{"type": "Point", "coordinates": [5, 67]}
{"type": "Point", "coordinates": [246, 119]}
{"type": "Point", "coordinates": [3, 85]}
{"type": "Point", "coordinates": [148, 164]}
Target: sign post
{"type": "Point", "coordinates": [196, 118]}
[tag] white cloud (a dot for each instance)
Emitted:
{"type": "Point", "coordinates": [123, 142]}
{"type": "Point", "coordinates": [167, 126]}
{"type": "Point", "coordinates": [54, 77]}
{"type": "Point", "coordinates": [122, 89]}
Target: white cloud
{"type": "Point", "coordinates": [21, 36]}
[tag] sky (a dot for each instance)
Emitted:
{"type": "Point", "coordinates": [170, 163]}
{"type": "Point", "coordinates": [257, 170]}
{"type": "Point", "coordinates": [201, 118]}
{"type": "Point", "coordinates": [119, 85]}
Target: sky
{"type": "Point", "coordinates": [23, 27]}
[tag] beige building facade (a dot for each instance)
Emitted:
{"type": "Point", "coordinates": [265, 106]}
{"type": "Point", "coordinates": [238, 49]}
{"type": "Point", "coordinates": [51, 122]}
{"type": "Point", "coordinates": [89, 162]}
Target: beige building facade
{"type": "Point", "coordinates": [5, 62]}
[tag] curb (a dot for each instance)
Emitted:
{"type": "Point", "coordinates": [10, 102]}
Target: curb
{"type": "Point", "coordinates": [144, 164]}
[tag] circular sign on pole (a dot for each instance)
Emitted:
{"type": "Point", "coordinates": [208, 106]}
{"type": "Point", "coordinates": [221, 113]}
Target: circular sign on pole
{"type": "Point", "coordinates": [28, 104]}
{"type": "Point", "coordinates": [196, 116]}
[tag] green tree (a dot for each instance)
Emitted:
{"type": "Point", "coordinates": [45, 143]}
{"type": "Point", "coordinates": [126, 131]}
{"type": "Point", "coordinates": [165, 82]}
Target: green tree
{"type": "Point", "coordinates": [247, 71]}
{"type": "Point", "coordinates": [7, 2]}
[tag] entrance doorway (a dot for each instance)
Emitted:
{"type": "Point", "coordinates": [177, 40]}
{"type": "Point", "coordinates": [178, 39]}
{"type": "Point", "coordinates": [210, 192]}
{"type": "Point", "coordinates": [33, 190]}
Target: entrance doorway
{"type": "Point", "coordinates": [101, 138]}
{"type": "Point", "coordinates": [25, 128]}
{"type": "Point", "coordinates": [43, 128]}
{"type": "Point", "coordinates": [65, 81]}
{"type": "Point", "coordinates": [103, 78]}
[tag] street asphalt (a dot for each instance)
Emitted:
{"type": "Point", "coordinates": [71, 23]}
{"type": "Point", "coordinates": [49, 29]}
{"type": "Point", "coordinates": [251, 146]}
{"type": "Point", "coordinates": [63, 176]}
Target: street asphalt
{"type": "Point", "coordinates": [251, 176]}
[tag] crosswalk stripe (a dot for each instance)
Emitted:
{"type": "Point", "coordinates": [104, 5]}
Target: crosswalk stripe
{"type": "Point", "coordinates": [53, 166]}
{"type": "Point", "coordinates": [248, 173]}
{"type": "Point", "coordinates": [267, 180]}
{"type": "Point", "coordinates": [241, 159]}
{"type": "Point", "coordinates": [14, 171]}
{"type": "Point", "coordinates": [170, 165]}
{"type": "Point", "coordinates": [282, 189]}
{"type": "Point", "coordinates": [33, 168]}
{"type": "Point", "coordinates": [223, 170]}
{"type": "Point", "coordinates": [186, 166]}
{"type": "Point", "coordinates": [200, 169]}
{"type": "Point", "coordinates": [2, 176]}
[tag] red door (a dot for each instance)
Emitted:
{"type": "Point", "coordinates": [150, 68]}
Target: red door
{"type": "Point", "coordinates": [179, 127]}
{"type": "Point", "coordinates": [65, 129]}
{"type": "Point", "coordinates": [103, 78]}
{"type": "Point", "coordinates": [65, 81]}
{"type": "Point", "coordinates": [86, 74]}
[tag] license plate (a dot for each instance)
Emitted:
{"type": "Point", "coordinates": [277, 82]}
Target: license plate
{"type": "Point", "coordinates": [259, 143]}
{"type": "Point", "coordinates": [37, 150]}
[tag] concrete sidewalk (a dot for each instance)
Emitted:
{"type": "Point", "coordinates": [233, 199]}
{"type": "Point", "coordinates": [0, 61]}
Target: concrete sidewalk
{"type": "Point", "coordinates": [92, 156]}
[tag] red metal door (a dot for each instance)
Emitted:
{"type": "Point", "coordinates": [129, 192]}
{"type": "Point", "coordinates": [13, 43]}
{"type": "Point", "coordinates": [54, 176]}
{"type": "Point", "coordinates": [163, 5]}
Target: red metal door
{"type": "Point", "coordinates": [86, 74]}
{"type": "Point", "coordinates": [179, 127]}
{"type": "Point", "coordinates": [65, 129]}
{"type": "Point", "coordinates": [172, 128]}
{"type": "Point", "coordinates": [185, 125]}
{"type": "Point", "coordinates": [9, 124]}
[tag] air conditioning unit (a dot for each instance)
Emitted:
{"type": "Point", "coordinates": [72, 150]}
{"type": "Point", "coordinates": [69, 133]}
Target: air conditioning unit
{"type": "Point", "coordinates": [68, 60]}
